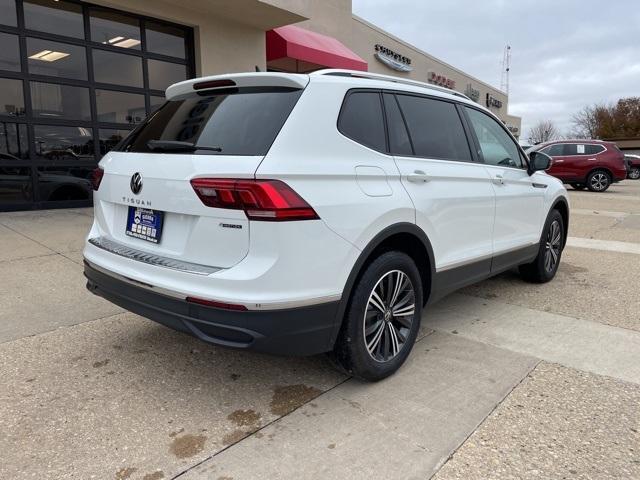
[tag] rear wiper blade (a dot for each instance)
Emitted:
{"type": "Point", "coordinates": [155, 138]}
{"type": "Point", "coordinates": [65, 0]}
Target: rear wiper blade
{"type": "Point", "coordinates": [177, 146]}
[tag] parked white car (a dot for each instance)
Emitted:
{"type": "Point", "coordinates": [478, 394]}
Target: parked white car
{"type": "Point", "coordinates": [300, 214]}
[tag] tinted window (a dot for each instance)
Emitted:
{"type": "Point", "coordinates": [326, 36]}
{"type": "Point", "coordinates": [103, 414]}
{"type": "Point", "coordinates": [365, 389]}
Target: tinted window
{"type": "Point", "coordinates": [11, 97]}
{"type": "Point", "coordinates": [53, 100]}
{"type": "Point", "coordinates": [9, 52]}
{"type": "Point", "coordinates": [115, 29]}
{"type": "Point", "coordinates": [242, 123]}
{"type": "Point", "coordinates": [593, 149]}
{"type": "Point", "coordinates": [555, 150]}
{"type": "Point", "coordinates": [15, 185]}
{"type": "Point", "coordinates": [361, 119]}
{"type": "Point", "coordinates": [56, 59]}
{"type": "Point", "coordinates": [109, 138]}
{"type": "Point", "coordinates": [62, 18]}
{"type": "Point", "coordinates": [435, 128]}
{"type": "Point", "coordinates": [165, 39]}
{"type": "Point", "coordinates": [496, 146]}
{"type": "Point", "coordinates": [119, 107]}
{"type": "Point", "coordinates": [109, 67]}
{"type": "Point", "coordinates": [399, 143]}
{"type": "Point", "coordinates": [56, 143]}
{"type": "Point", "coordinates": [8, 12]}
{"type": "Point", "coordinates": [14, 144]}
{"type": "Point", "coordinates": [163, 74]}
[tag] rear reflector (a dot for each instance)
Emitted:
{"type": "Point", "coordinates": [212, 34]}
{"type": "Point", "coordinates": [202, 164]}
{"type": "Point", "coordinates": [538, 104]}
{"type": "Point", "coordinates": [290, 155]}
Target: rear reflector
{"type": "Point", "coordinates": [96, 177]}
{"type": "Point", "coordinates": [215, 304]}
{"type": "Point", "coordinates": [266, 200]}
{"type": "Point", "coordinates": [214, 84]}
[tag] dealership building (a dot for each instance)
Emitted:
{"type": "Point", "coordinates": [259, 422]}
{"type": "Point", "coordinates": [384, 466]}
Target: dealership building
{"type": "Point", "coordinates": [75, 77]}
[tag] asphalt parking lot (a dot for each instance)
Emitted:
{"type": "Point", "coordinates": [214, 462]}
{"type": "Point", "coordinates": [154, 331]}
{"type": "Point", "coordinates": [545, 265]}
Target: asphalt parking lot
{"type": "Point", "coordinates": [507, 379]}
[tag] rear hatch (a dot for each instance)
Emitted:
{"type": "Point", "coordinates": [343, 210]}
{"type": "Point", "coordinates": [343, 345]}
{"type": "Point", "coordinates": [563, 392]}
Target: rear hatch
{"type": "Point", "coordinates": [218, 127]}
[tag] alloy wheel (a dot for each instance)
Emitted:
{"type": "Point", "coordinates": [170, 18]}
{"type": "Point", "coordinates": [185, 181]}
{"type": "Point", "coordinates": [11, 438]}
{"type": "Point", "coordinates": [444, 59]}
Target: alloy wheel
{"type": "Point", "coordinates": [553, 246]}
{"type": "Point", "coordinates": [389, 316]}
{"type": "Point", "coordinates": [634, 174]}
{"type": "Point", "coordinates": [599, 181]}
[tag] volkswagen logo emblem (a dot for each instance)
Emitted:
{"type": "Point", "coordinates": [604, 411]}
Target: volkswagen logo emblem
{"type": "Point", "coordinates": [136, 183]}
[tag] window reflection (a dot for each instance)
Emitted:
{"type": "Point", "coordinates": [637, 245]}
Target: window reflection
{"type": "Point", "coordinates": [163, 74]}
{"type": "Point", "coordinates": [54, 16]}
{"type": "Point", "coordinates": [115, 29]}
{"type": "Point", "coordinates": [109, 138]}
{"type": "Point", "coordinates": [165, 39]}
{"type": "Point", "coordinates": [14, 143]}
{"type": "Point", "coordinates": [120, 107]}
{"type": "Point", "coordinates": [11, 97]}
{"type": "Point", "coordinates": [9, 52]}
{"type": "Point", "coordinates": [56, 143]}
{"type": "Point", "coordinates": [60, 101]}
{"type": "Point", "coordinates": [57, 184]}
{"type": "Point", "coordinates": [56, 59]}
{"type": "Point", "coordinates": [116, 68]}
{"type": "Point", "coordinates": [8, 13]}
{"type": "Point", "coordinates": [15, 185]}
{"type": "Point", "coordinates": [155, 102]}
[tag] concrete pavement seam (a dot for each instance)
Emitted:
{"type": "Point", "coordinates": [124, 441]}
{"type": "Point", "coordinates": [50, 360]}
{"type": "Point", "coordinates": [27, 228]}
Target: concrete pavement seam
{"type": "Point", "coordinates": [27, 237]}
{"type": "Point", "coordinates": [451, 455]}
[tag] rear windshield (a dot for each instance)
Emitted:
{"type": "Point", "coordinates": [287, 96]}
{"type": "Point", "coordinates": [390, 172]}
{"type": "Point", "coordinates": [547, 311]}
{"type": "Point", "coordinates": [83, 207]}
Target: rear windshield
{"type": "Point", "coordinates": [238, 122]}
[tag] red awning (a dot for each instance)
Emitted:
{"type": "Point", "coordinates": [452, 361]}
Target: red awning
{"type": "Point", "coordinates": [295, 49]}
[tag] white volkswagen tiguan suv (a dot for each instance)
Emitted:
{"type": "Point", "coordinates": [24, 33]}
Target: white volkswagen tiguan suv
{"type": "Point", "coordinates": [299, 214]}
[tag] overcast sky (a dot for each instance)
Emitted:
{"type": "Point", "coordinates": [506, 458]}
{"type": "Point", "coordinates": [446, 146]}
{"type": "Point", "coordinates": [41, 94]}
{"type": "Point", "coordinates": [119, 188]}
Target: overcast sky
{"type": "Point", "coordinates": [564, 53]}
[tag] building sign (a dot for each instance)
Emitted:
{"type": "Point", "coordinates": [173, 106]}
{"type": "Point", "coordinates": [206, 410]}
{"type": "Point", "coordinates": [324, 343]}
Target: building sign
{"type": "Point", "coordinates": [441, 80]}
{"type": "Point", "coordinates": [514, 130]}
{"type": "Point", "coordinates": [472, 93]}
{"type": "Point", "coordinates": [493, 101]}
{"type": "Point", "coordinates": [392, 59]}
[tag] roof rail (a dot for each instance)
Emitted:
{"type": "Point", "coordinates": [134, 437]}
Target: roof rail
{"type": "Point", "coordinates": [387, 78]}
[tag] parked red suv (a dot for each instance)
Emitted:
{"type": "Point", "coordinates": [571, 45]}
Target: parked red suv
{"type": "Point", "coordinates": [633, 170]}
{"type": "Point", "coordinates": [585, 163]}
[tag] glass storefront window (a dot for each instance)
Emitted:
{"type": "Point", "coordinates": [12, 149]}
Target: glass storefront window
{"type": "Point", "coordinates": [120, 107]}
{"type": "Point", "coordinates": [53, 100]}
{"type": "Point", "coordinates": [15, 185]}
{"type": "Point", "coordinates": [57, 184]}
{"type": "Point", "coordinates": [11, 97]}
{"type": "Point", "coordinates": [53, 16]}
{"type": "Point", "coordinates": [56, 59]}
{"type": "Point", "coordinates": [109, 138]}
{"type": "Point", "coordinates": [155, 102]}
{"type": "Point", "coordinates": [165, 39]}
{"type": "Point", "coordinates": [9, 52]}
{"type": "Point", "coordinates": [14, 142]}
{"type": "Point", "coordinates": [163, 74]}
{"type": "Point", "coordinates": [115, 29]}
{"type": "Point", "coordinates": [116, 68]}
{"type": "Point", "coordinates": [8, 13]}
{"type": "Point", "coordinates": [58, 143]}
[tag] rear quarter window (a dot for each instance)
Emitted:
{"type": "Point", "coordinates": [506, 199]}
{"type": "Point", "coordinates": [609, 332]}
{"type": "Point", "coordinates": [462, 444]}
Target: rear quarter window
{"type": "Point", "coordinates": [593, 149]}
{"type": "Point", "coordinates": [361, 119]}
{"type": "Point", "coordinates": [239, 121]}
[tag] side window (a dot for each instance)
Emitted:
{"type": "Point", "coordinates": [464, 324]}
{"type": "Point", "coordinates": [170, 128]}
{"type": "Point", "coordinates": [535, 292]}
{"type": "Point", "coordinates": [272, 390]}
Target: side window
{"type": "Point", "coordinates": [571, 149]}
{"type": "Point", "coordinates": [496, 146]}
{"type": "Point", "coordinates": [555, 150]}
{"type": "Point", "coordinates": [399, 143]}
{"type": "Point", "coordinates": [435, 128]}
{"type": "Point", "coordinates": [593, 149]}
{"type": "Point", "coordinates": [361, 119]}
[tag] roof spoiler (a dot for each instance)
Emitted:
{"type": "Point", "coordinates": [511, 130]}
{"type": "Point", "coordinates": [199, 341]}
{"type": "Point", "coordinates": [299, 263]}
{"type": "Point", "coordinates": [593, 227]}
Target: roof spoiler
{"type": "Point", "coordinates": [237, 80]}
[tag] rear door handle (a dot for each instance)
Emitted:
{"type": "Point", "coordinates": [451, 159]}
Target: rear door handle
{"type": "Point", "coordinates": [418, 176]}
{"type": "Point", "coordinates": [498, 180]}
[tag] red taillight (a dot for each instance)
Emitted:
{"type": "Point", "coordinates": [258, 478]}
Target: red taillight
{"type": "Point", "coordinates": [96, 178]}
{"type": "Point", "coordinates": [215, 304]}
{"type": "Point", "coordinates": [267, 200]}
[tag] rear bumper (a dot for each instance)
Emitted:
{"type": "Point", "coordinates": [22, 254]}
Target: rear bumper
{"type": "Point", "coordinates": [306, 330]}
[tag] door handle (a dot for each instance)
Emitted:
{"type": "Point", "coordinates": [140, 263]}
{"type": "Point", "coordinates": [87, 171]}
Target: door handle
{"type": "Point", "coordinates": [591, 159]}
{"type": "Point", "coordinates": [558, 161]}
{"type": "Point", "coordinates": [498, 180]}
{"type": "Point", "coordinates": [418, 176]}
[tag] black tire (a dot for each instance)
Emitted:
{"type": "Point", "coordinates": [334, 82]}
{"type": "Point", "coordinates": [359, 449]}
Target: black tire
{"type": "Point", "coordinates": [598, 181]}
{"type": "Point", "coordinates": [351, 352]}
{"type": "Point", "coordinates": [578, 186]}
{"type": "Point", "coordinates": [634, 173]}
{"type": "Point", "coordinates": [551, 246]}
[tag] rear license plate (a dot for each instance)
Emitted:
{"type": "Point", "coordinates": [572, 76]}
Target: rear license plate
{"type": "Point", "coordinates": [145, 224]}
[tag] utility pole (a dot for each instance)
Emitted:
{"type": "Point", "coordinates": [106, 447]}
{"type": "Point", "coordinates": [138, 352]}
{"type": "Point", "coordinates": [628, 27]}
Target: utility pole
{"type": "Point", "coordinates": [506, 66]}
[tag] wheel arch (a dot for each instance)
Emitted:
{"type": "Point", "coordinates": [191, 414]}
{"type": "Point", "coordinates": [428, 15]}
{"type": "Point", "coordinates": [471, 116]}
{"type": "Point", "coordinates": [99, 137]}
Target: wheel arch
{"type": "Point", "coordinates": [599, 168]}
{"type": "Point", "coordinates": [404, 237]}
{"type": "Point", "coordinates": [562, 205]}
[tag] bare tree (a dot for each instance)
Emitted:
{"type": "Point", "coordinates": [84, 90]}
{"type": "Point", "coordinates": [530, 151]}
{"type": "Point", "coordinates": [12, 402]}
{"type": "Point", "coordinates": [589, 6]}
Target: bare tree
{"type": "Point", "coordinates": [543, 131]}
{"type": "Point", "coordinates": [585, 122]}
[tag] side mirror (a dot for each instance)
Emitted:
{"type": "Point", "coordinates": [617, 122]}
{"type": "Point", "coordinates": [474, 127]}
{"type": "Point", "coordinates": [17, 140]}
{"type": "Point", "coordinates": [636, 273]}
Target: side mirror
{"type": "Point", "coordinates": [538, 161]}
